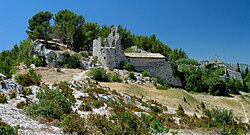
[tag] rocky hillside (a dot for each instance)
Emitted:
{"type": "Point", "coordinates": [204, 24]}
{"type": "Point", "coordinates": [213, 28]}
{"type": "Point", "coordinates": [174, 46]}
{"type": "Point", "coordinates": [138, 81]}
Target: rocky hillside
{"type": "Point", "coordinates": [82, 106]}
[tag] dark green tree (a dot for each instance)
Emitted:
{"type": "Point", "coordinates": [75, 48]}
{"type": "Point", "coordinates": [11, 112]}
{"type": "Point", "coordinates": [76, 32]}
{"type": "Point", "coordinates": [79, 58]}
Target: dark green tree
{"type": "Point", "coordinates": [217, 87]}
{"type": "Point", "coordinates": [70, 28]}
{"type": "Point", "coordinates": [39, 26]}
{"type": "Point", "coordinates": [127, 37]}
{"type": "Point", "coordinates": [176, 54]}
{"type": "Point", "coordinates": [91, 32]}
{"type": "Point", "coordinates": [238, 67]}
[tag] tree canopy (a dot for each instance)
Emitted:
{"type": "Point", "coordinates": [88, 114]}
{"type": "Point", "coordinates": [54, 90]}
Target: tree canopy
{"type": "Point", "coordinates": [39, 26]}
{"type": "Point", "coordinates": [69, 27]}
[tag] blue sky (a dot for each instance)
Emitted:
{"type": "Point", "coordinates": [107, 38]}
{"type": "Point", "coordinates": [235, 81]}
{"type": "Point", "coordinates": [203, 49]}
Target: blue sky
{"type": "Point", "coordinates": [202, 28]}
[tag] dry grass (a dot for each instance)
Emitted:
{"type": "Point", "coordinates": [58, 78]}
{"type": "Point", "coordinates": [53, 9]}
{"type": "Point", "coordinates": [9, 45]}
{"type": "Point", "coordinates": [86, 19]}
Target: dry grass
{"type": "Point", "coordinates": [173, 97]}
{"type": "Point", "coordinates": [51, 76]}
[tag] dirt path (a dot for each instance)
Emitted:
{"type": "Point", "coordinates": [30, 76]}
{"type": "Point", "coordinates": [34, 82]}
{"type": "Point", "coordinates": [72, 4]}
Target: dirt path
{"type": "Point", "coordinates": [244, 109]}
{"type": "Point", "coordinates": [79, 76]}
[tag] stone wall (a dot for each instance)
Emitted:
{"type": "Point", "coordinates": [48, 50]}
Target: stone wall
{"type": "Point", "coordinates": [111, 53]}
{"type": "Point", "coordinates": [162, 69]}
{"type": "Point", "coordinates": [97, 43]}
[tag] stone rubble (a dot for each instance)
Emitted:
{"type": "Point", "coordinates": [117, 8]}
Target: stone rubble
{"type": "Point", "coordinates": [14, 117]}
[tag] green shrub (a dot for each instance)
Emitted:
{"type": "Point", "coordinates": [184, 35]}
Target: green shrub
{"type": "Point", "coordinates": [85, 107]}
{"type": "Point", "coordinates": [67, 91]}
{"type": "Point", "coordinates": [26, 91]}
{"type": "Point", "coordinates": [155, 109]}
{"type": "Point", "coordinates": [28, 79]}
{"type": "Point", "coordinates": [39, 61]}
{"type": "Point", "coordinates": [84, 54]}
{"type": "Point", "coordinates": [6, 129]}
{"type": "Point", "coordinates": [95, 59]}
{"type": "Point", "coordinates": [13, 94]}
{"type": "Point", "coordinates": [131, 75]}
{"type": "Point", "coordinates": [145, 73]}
{"type": "Point", "coordinates": [162, 82]}
{"type": "Point", "coordinates": [21, 105]}
{"type": "Point", "coordinates": [99, 74]}
{"type": "Point", "coordinates": [217, 87]}
{"type": "Point", "coordinates": [126, 66]}
{"type": "Point", "coordinates": [58, 69]}
{"type": "Point", "coordinates": [70, 61]}
{"type": "Point", "coordinates": [234, 87]}
{"type": "Point", "coordinates": [3, 98]}
{"type": "Point", "coordinates": [52, 57]}
{"type": "Point", "coordinates": [115, 77]}
{"type": "Point", "coordinates": [59, 63]}
{"type": "Point", "coordinates": [52, 103]}
{"type": "Point", "coordinates": [121, 122]}
{"type": "Point", "coordinates": [129, 50]}
{"type": "Point", "coordinates": [73, 123]}
{"type": "Point", "coordinates": [188, 62]}
{"type": "Point", "coordinates": [220, 116]}
{"type": "Point", "coordinates": [155, 124]}
{"type": "Point", "coordinates": [73, 61]}
{"type": "Point", "coordinates": [97, 103]}
{"type": "Point", "coordinates": [195, 83]}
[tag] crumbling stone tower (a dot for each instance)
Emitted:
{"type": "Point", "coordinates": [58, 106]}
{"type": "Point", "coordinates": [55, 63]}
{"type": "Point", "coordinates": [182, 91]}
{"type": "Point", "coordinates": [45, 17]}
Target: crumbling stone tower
{"type": "Point", "coordinates": [111, 53]}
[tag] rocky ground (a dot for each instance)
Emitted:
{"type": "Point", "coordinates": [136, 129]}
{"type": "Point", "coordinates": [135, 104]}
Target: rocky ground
{"type": "Point", "coordinates": [10, 114]}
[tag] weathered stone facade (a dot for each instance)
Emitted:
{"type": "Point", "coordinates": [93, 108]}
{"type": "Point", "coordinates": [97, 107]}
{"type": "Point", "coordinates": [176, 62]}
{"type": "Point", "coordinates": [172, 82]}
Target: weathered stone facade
{"type": "Point", "coordinates": [111, 55]}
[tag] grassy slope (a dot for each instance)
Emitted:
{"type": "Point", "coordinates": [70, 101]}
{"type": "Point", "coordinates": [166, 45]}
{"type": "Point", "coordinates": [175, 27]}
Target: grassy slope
{"type": "Point", "coordinates": [173, 97]}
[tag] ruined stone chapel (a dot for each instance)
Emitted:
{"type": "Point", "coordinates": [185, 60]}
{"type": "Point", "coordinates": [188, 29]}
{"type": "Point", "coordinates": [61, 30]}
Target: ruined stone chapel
{"type": "Point", "coordinates": [111, 54]}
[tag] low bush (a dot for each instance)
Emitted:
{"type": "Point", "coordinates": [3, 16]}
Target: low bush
{"type": "Point", "coordinates": [3, 98]}
{"type": "Point", "coordinates": [155, 124]}
{"type": "Point", "coordinates": [28, 79]}
{"type": "Point", "coordinates": [26, 91]}
{"type": "Point", "coordinates": [115, 77]}
{"type": "Point", "coordinates": [217, 87]}
{"type": "Point", "coordinates": [145, 73]}
{"type": "Point", "coordinates": [39, 61]}
{"type": "Point", "coordinates": [6, 129]}
{"type": "Point", "coordinates": [85, 107]}
{"type": "Point", "coordinates": [131, 75]}
{"type": "Point", "coordinates": [97, 103]}
{"type": "Point", "coordinates": [21, 104]}
{"type": "Point", "coordinates": [67, 91]}
{"type": "Point", "coordinates": [220, 116]}
{"type": "Point", "coordinates": [52, 57]}
{"type": "Point", "coordinates": [95, 59]}
{"type": "Point", "coordinates": [126, 66]}
{"type": "Point", "coordinates": [99, 74]}
{"type": "Point", "coordinates": [162, 82]}
{"type": "Point", "coordinates": [70, 61]}
{"type": "Point", "coordinates": [121, 122]}
{"type": "Point", "coordinates": [52, 103]}
{"type": "Point", "coordinates": [84, 54]}
{"type": "Point", "coordinates": [13, 94]}
{"type": "Point", "coordinates": [73, 123]}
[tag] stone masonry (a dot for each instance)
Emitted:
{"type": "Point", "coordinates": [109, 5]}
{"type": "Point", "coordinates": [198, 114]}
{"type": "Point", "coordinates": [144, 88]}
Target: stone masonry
{"type": "Point", "coordinates": [111, 53]}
